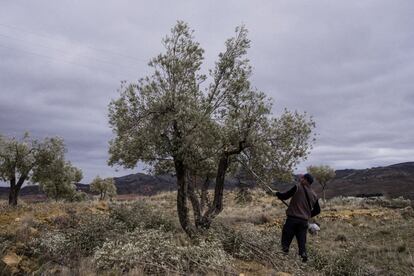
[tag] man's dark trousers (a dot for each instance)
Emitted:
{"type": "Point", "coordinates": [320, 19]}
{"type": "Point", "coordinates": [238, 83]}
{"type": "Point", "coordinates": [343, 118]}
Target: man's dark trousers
{"type": "Point", "coordinates": [295, 227]}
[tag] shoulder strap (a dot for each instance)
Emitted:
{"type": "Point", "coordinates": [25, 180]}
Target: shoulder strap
{"type": "Point", "coordinates": [307, 199]}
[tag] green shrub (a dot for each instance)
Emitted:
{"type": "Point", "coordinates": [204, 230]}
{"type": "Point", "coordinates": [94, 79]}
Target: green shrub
{"type": "Point", "coordinates": [92, 232]}
{"type": "Point", "coordinates": [79, 235]}
{"type": "Point", "coordinates": [65, 245]}
{"type": "Point", "coordinates": [140, 214]}
{"type": "Point", "coordinates": [79, 196]}
{"type": "Point", "coordinates": [51, 246]}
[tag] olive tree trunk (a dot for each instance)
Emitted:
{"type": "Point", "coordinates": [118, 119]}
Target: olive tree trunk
{"type": "Point", "coordinates": [13, 195]}
{"type": "Point", "coordinates": [15, 189]}
{"type": "Point", "coordinates": [187, 190]}
{"type": "Point", "coordinates": [217, 205]}
{"type": "Point", "coordinates": [182, 195]}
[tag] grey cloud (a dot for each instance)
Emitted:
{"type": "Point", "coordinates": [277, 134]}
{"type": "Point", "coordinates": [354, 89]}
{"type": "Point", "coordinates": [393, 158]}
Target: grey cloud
{"type": "Point", "coordinates": [348, 64]}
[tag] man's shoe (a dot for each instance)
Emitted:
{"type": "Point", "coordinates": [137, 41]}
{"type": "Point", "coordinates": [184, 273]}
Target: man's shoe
{"type": "Point", "coordinates": [304, 258]}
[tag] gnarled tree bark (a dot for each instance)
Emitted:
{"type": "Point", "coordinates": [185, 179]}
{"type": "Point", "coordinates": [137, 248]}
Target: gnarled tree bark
{"type": "Point", "coordinates": [15, 189]}
{"type": "Point", "coordinates": [182, 194]}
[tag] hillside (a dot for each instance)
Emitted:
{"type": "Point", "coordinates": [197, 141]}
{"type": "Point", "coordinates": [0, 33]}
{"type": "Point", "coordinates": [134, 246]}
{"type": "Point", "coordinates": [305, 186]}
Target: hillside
{"type": "Point", "coordinates": [137, 184]}
{"type": "Point", "coordinates": [394, 181]}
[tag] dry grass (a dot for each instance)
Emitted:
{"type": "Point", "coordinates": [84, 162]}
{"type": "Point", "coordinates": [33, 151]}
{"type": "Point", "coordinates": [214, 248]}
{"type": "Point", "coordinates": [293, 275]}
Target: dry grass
{"type": "Point", "coordinates": [357, 237]}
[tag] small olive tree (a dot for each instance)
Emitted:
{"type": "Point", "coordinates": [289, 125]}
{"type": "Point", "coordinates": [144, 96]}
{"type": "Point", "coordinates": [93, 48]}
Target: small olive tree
{"type": "Point", "coordinates": [105, 187]}
{"type": "Point", "coordinates": [174, 120]}
{"type": "Point", "coordinates": [244, 183]}
{"type": "Point", "coordinates": [27, 160]}
{"type": "Point", "coordinates": [323, 174]}
{"type": "Point", "coordinates": [58, 180]}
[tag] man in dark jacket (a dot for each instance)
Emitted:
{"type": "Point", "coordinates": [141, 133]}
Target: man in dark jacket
{"type": "Point", "coordinates": [303, 205]}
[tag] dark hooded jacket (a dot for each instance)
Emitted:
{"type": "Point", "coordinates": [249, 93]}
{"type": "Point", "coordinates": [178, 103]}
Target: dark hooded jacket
{"type": "Point", "coordinates": [304, 203]}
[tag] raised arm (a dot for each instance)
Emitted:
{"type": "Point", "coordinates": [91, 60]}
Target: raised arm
{"type": "Point", "coordinates": [288, 194]}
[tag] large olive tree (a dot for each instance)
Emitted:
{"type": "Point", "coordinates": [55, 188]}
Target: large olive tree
{"type": "Point", "coordinates": [28, 160]}
{"type": "Point", "coordinates": [175, 120]}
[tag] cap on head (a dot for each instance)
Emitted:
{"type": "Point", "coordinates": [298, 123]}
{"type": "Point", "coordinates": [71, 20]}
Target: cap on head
{"type": "Point", "coordinates": [308, 178]}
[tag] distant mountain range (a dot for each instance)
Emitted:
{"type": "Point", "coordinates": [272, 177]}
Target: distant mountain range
{"type": "Point", "coordinates": [139, 183]}
{"type": "Point", "coordinates": [393, 181]}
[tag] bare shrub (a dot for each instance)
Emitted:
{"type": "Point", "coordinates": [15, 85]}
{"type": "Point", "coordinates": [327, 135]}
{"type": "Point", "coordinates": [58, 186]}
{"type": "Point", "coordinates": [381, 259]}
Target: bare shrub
{"type": "Point", "coordinates": [250, 244]}
{"type": "Point", "coordinates": [407, 212]}
{"type": "Point", "coordinates": [341, 238]}
{"type": "Point", "coordinates": [5, 243]}
{"type": "Point", "coordinates": [393, 203]}
{"type": "Point", "coordinates": [243, 196]}
{"type": "Point", "coordinates": [346, 264]}
{"type": "Point", "coordinates": [26, 231]}
{"type": "Point", "coordinates": [64, 222]}
{"type": "Point", "coordinates": [156, 251]}
{"type": "Point", "coordinates": [401, 248]}
{"type": "Point", "coordinates": [264, 219]}
{"type": "Point", "coordinates": [348, 201]}
{"type": "Point", "coordinates": [68, 220]}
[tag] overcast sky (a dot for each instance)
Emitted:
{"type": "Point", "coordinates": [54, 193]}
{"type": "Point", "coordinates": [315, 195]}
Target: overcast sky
{"type": "Point", "coordinates": [350, 64]}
